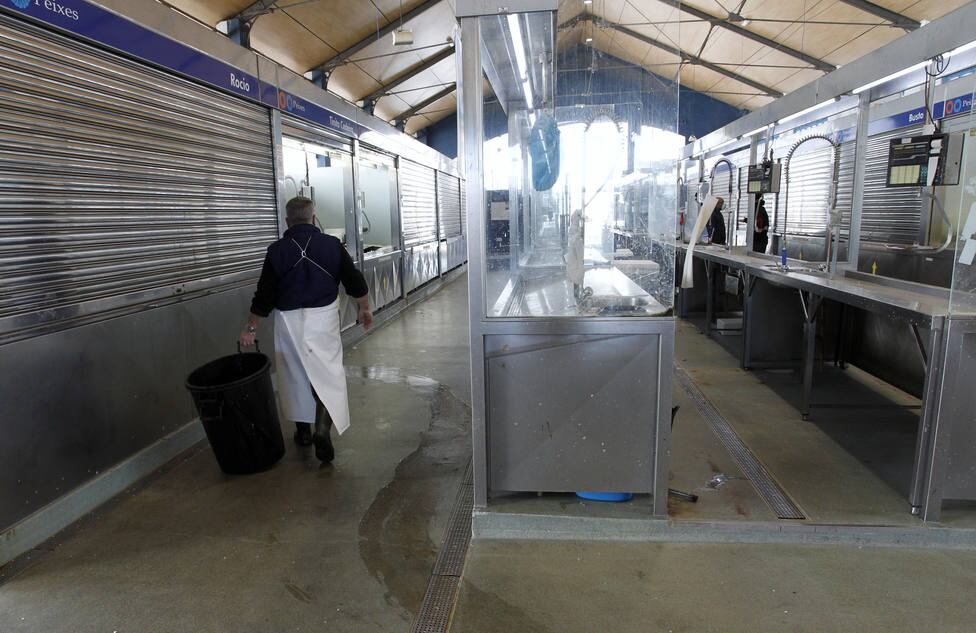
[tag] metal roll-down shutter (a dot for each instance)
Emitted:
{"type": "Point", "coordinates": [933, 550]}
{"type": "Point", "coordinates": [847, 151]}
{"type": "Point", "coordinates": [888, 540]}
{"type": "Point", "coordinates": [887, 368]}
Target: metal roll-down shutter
{"type": "Point", "coordinates": [889, 214]}
{"type": "Point", "coordinates": [121, 184]}
{"type": "Point", "coordinates": [302, 130]}
{"type": "Point", "coordinates": [418, 203]}
{"type": "Point", "coordinates": [449, 204]}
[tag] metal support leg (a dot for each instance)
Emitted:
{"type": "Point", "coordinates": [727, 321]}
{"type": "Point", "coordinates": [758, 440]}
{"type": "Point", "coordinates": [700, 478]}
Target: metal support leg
{"type": "Point", "coordinates": [926, 427]}
{"type": "Point", "coordinates": [811, 307]}
{"type": "Point", "coordinates": [921, 346]}
{"type": "Point", "coordinates": [748, 285]}
{"type": "Point", "coordinates": [709, 296]}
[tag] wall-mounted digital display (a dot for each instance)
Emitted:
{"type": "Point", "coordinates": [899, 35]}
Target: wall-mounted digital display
{"type": "Point", "coordinates": [764, 178]}
{"type": "Point", "coordinates": [925, 161]}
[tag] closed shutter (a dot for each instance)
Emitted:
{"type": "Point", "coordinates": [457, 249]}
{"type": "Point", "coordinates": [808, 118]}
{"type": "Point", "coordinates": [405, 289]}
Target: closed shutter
{"type": "Point", "coordinates": [299, 129]}
{"type": "Point", "coordinates": [808, 176]}
{"type": "Point", "coordinates": [888, 214]}
{"type": "Point", "coordinates": [119, 183]}
{"type": "Point", "coordinates": [449, 205]}
{"type": "Point", "coordinates": [418, 203]}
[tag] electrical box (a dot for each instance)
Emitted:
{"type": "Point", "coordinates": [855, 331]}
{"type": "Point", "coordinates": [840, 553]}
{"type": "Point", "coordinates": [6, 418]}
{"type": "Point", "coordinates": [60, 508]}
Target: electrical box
{"type": "Point", "coordinates": [764, 178]}
{"type": "Point", "coordinates": [925, 161]}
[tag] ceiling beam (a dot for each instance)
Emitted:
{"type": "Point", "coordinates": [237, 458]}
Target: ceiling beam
{"type": "Point", "coordinates": [724, 23]}
{"type": "Point", "coordinates": [239, 26]}
{"type": "Point", "coordinates": [342, 57]}
{"type": "Point", "coordinates": [684, 56]}
{"type": "Point", "coordinates": [415, 109]}
{"type": "Point", "coordinates": [369, 101]}
{"type": "Point", "coordinates": [894, 17]}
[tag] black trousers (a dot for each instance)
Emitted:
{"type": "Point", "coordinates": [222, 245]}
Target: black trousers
{"type": "Point", "coordinates": [323, 421]}
{"type": "Point", "coordinates": [759, 242]}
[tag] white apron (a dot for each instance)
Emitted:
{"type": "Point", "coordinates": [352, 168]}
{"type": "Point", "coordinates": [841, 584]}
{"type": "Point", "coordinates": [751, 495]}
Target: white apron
{"type": "Point", "coordinates": [308, 352]}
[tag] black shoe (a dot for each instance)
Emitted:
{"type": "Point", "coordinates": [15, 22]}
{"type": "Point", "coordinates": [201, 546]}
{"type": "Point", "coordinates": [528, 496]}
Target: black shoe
{"type": "Point", "coordinates": [323, 448]}
{"type": "Point", "coordinates": [303, 434]}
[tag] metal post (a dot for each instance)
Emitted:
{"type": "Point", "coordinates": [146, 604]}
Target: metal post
{"type": "Point", "coordinates": [398, 218]}
{"type": "Point", "coordinates": [471, 128]}
{"type": "Point", "coordinates": [926, 420]}
{"type": "Point", "coordinates": [278, 149]}
{"type": "Point", "coordinates": [860, 158]}
{"type": "Point", "coordinates": [751, 211]}
{"type": "Point", "coordinates": [811, 306]}
{"type": "Point", "coordinates": [709, 296]}
{"type": "Point", "coordinates": [749, 285]}
{"type": "Point", "coordinates": [358, 203]}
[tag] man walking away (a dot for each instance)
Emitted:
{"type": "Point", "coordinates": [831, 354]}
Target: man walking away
{"type": "Point", "coordinates": [300, 280]}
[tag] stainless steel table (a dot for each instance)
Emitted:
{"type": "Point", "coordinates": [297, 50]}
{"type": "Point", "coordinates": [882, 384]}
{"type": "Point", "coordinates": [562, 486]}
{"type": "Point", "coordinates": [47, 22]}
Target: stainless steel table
{"type": "Point", "coordinates": [945, 466]}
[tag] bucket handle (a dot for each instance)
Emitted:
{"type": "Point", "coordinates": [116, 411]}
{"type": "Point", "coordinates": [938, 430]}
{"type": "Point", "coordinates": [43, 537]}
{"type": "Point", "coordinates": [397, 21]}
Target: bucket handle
{"type": "Point", "coordinates": [211, 409]}
{"type": "Point", "coordinates": [257, 347]}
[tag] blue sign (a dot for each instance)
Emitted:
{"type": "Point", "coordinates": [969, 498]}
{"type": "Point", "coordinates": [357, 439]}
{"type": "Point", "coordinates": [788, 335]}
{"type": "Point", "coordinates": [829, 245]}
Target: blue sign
{"type": "Point", "coordinates": [291, 104]}
{"type": "Point", "coordinates": [94, 22]}
{"type": "Point", "coordinates": [953, 107]}
{"type": "Point", "coordinates": [101, 25]}
{"type": "Point", "coordinates": [895, 121]}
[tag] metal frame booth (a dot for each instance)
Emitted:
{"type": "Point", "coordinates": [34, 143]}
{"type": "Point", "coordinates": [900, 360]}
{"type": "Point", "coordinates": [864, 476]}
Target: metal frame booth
{"type": "Point", "coordinates": [570, 269]}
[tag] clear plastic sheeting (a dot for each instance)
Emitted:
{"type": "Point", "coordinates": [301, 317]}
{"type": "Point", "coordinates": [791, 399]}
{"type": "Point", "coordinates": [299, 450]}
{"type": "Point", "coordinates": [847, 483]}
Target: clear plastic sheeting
{"type": "Point", "coordinates": [580, 188]}
{"type": "Point", "coordinates": [960, 205]}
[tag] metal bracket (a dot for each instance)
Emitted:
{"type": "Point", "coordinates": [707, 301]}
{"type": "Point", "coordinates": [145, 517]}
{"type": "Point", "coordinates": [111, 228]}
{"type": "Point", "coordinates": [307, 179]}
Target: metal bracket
{"type": "Point", "coordinates": [921, 346]}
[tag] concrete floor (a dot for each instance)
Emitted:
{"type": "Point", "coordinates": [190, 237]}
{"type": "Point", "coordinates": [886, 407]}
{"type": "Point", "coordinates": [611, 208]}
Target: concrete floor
{"type": "Point", "coordinates": [301, 547]}
{"type": "Point", "coordinates": [350, 547]}
{"type": "Point", "coordinates": [567, 587]}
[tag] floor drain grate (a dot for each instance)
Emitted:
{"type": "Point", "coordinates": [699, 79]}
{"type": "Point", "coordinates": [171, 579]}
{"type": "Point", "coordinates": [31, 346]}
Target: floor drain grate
{"type": "Point", "coordinates": [774, 496]}
{"type": "Point", "coordinates": [438, 604]}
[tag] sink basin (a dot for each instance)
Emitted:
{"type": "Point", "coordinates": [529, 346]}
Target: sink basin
{"type": "Point", "coordinates": [805, 270]}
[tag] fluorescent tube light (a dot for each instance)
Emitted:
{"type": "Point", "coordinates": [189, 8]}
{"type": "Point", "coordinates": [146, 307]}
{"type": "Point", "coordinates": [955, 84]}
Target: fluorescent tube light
{"type": "Point", "coordinates": [900, 73]}
{"type": "Point", "coordinates": [757, 130]}
{"type": "Point", "coordinates": [962, 49]}
{"type": "Point", "coordinates": [723, 144]}
{"type": "Point", "coordinates": [808, 110]}
{"type": "Point", "coordinates": [523, 67]}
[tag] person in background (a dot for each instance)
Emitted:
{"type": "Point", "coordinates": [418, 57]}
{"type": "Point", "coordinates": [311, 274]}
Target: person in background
{"type": "Point", "coordinates": [715, 229]}
{"type": "Point", "coordinates": [300, 282]}
{"type": "Point", "coordinates": [760, 235]}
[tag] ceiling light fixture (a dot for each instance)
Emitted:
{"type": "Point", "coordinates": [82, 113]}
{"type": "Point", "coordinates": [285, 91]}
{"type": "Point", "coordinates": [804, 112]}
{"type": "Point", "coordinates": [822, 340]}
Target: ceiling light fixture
{"type": "Point", "coordinates": [884, 80]}
{"type": "Point", "coordinates": [589, 40]}
{"type": "Point", "coordinates": [962, 49]}
{"type": "Point", "coordinates": [809, 110]}
{"type": "Point", "coordinates": [518, 43]}
{"type": "Point", "coordinates": [757, 130]}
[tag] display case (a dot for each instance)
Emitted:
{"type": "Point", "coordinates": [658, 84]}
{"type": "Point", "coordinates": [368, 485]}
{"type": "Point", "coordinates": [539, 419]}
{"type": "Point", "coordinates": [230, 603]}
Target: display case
{"type": "Point", "coordinates": [571, 192]}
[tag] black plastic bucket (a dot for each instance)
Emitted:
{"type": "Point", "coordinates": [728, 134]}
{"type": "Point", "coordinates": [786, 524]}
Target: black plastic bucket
{"type": "Point", "coordinates": [237, 406]}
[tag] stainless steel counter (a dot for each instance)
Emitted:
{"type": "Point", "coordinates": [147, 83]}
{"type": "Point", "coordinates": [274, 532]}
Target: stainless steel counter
{"type": "Point", "coordinates": [945, 459]}
{"type": "Point", "coordinates": [902, 299]}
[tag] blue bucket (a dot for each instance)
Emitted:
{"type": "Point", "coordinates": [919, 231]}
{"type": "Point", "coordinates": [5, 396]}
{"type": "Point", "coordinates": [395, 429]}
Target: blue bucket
{"type": "Point", "coordinates": [613, 497]}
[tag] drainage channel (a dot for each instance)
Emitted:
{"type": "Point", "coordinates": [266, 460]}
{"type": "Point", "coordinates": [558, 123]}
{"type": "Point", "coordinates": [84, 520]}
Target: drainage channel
{"type": "Point", "coordinates": [775, 497]}
{"type": "Point", "coordinates": [442, 589]}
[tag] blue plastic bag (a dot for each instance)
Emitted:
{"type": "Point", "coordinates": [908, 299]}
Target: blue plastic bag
{"type": "Point", "coordinates": [544, 152]}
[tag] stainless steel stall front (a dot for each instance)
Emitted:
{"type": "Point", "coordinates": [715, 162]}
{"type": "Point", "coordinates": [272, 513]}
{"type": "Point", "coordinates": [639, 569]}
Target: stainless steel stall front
{"type": "Point", "coordinates": [572, 205]}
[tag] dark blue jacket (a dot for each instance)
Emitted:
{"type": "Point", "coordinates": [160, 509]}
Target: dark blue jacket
{"type": "Point", "coordinates": [303, 270]}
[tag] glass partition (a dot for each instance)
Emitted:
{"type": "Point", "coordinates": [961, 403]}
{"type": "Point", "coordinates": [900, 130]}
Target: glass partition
{"type": "Point", "coordinates": [378, 203]}
{"type": "Point", "coordinates": [579, 178]}
{"type": "Point", "coordinates": [960, 204]}
{"type": "Point", "coordinates": [325, 176]}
